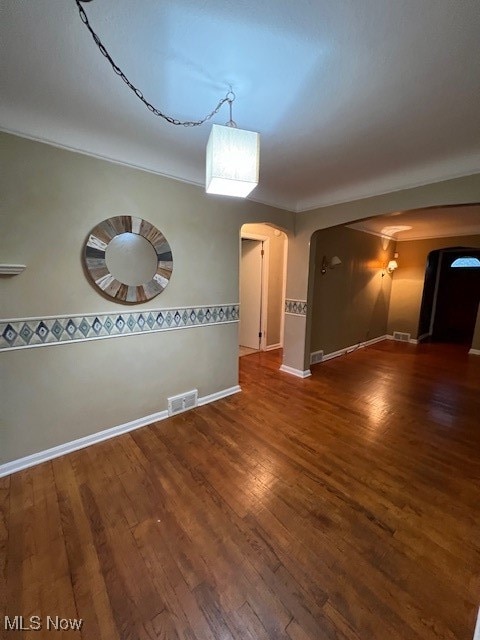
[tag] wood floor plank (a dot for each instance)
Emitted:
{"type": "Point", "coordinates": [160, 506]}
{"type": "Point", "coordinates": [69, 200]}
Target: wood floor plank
{"type": "Point", "coordinates": [86, 575]}
{"type": "Point", "coordinates": [341, 507]}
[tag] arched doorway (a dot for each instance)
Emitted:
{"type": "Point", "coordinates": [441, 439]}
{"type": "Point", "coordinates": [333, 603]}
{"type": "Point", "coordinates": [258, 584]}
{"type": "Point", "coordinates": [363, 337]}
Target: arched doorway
{"type": "Point", "coordinates": [451, 296]}
{"type": "Point", "coordinates": [263, 258]}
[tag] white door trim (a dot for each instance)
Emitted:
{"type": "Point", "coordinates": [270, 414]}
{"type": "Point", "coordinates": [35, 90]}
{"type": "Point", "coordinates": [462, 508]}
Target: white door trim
{"type": "Point", "coordinates": [265, 266]}
{"type": "Point", "coordinates": [284, 289]}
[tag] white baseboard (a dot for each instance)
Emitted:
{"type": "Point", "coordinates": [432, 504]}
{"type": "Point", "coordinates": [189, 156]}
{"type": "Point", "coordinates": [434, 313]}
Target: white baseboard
{"type": "Point", "coordinates": [60, 450]}
{"type": "Point", "coordinates": [474, 352]}
{"type": "Point", "coordinates": [367, 343]}
{"type": "Point", "coordinates": [354, 347]}
{"type": "Point", "coordinates": [296, 372]}
{"type": "Point", "coordinates": [271, 347]}
{"type": "Point", "coordinates": [218, 395]}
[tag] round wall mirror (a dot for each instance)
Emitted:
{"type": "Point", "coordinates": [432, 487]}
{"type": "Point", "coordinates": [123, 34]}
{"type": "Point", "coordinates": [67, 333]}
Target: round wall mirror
{"type": "Point", "coordinates": [128, 259]}
{"type": "Point", "coordinates": [131, 259]}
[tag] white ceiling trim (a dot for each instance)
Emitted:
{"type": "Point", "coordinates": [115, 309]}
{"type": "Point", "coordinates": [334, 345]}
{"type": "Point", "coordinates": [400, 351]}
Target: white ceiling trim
{"type": "Point", "coordinates": [466, 232]}
{"type": "Point", "coordinates": [131, 165]}
{"type": "Point", "coordinates": [443, 235]}
{"type": "Point", "coordinates": [271, 202]}
{"type": "Point", "coordinates": [93, 154]}
{"type": "Point", "coordinates": [373, 194]}
{"type": "Point", "coordinates": [373, 233]}
{"type": "Point", "coordinates": [352, 100]}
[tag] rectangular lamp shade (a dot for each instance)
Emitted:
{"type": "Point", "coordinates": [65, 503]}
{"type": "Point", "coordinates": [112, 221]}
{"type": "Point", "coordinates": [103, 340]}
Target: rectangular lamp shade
{"type": "Point", "coordinates": [232, 161]}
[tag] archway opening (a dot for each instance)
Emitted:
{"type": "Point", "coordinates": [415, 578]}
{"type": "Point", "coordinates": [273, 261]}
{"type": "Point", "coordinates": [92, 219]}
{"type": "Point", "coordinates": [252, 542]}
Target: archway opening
{"type": "Point", "coordinates": [262, 278]}
{"type": "Point", "coordinates": [451, 296]}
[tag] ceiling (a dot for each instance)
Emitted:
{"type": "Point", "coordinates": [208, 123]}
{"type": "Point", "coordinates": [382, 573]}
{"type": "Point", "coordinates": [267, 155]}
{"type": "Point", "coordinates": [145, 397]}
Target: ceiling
{"type": "Point", "coordinates": [435, 222]}
{"type": "Point", "coordinates": [351, 98]}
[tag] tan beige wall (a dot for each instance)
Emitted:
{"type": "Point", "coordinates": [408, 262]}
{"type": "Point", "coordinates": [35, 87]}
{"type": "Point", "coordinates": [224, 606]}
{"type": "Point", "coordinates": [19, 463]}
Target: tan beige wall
{"type": "Point", "coordinates": [51, 199]}
{"type": "Point", "coordinates": [408, 279]}
{"type": "Point", "coordinates": [350, 302]}
{"type": "Point", "coordinates": [275, 304]}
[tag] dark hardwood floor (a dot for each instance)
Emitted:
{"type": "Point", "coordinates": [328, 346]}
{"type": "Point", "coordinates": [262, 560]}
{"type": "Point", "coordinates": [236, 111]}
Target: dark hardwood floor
{"type": "Point", "coordinates": [343, 506]}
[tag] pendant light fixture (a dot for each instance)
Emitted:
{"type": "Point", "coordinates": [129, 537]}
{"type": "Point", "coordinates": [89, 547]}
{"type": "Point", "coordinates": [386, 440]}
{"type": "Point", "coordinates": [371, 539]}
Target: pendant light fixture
{"type": "Point", "coordinates": [232, 163]}
{"type": "Point", "coordinates": [232, 158]}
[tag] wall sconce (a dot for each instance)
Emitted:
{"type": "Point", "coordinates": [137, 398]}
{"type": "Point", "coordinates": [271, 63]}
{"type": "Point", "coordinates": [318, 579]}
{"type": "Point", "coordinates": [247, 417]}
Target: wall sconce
{"type": "Point", "coordinates": [329, 263]}
{"type": "Point", "coordinates": [392, 265]}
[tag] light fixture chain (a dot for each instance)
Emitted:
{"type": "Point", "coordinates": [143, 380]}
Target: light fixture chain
{"type": "Point", "coordinates": [136, 91]}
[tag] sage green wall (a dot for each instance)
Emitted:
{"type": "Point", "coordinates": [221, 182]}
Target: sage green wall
{"type": "Point", "coordinates": [350, 302]}
{"type": "Point", "coordinates": [51, 199]}
{"type": "Point", "coordinates": [408, 279]}
{"type": "Point", "coordinates": [275, 302]}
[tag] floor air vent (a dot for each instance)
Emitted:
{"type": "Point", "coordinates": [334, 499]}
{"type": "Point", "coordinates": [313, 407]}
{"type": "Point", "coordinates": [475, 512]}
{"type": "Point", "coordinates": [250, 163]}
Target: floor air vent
{"type": "Point", "coordinates": [183, 402]}
{"type": "Point", "coordinates": [316, 357]}
{"type": "Point", "coordinates": [402, 337]}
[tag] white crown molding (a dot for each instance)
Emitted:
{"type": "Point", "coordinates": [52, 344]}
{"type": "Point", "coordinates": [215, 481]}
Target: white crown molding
{"type": "Point", "coordinates": [97, 156]}
{"type": "Point", "coordinates": [353, 197]}
{"type": "Point", "coordinates": [372, 233]}
{"type": "Point", "coordinates": [470, 232]}
{"type": "Point", "coordinates": [272, 202]}
{"type": "Point", "coordinates": [278, 204]}
{"type": "Point", "coordinates": [284, 206]}
{"type": "Point", "coordinates": [75, 445]}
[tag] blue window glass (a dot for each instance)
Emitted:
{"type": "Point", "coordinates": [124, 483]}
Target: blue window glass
{"type": "Point", "coordinates": [466, 261]}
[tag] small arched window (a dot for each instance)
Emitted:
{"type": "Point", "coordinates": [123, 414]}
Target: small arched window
{"type": "Point", "coordinates": [468, 262]}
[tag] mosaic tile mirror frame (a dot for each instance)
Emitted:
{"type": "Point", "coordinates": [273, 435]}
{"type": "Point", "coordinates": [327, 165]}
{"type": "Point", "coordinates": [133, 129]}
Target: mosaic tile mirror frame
{"type": "Point", "coordinates": [96, 259]}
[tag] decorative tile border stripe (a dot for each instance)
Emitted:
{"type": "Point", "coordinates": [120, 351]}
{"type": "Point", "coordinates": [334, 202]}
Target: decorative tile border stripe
{"type": "Point", "coordinates": [296, 307]}
{"type": "Point", "coordinates": [42, 332]}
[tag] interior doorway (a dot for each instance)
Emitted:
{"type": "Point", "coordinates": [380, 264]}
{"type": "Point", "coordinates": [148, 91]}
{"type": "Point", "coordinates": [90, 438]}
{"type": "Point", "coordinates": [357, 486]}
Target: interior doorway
{"type": "Point", "coordinates": [251, 294]}
{"type": "Point", "coordinates": [451, 296]}
{"type": "Point", "coordinates": [263, 261]}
